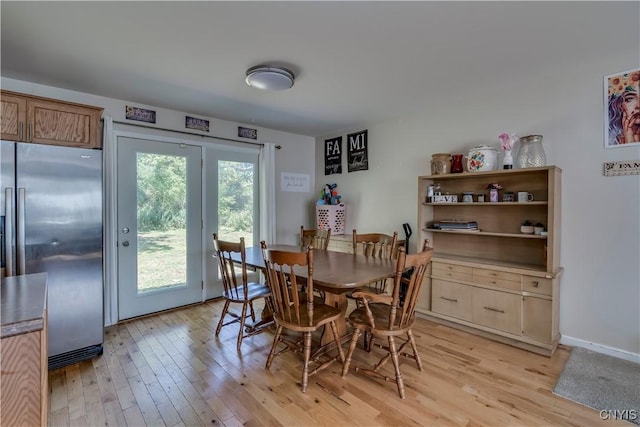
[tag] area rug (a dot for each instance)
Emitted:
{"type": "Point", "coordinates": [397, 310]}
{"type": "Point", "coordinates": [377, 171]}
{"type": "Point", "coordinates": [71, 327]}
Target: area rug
{"type": "Point", "coordinates": [607, 384]}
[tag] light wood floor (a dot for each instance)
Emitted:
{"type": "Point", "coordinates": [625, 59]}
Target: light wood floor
{"type": "Point", "coordinates": [171, 370]}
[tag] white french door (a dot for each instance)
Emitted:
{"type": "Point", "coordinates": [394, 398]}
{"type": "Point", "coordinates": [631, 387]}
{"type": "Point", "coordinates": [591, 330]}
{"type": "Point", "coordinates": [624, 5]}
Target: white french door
{"type": "Point", "coordinates": [231, 203]}
{"type": "Point", "coordinates": [159, 220]}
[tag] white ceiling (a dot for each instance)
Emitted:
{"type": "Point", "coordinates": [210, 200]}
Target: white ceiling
{"type": "Point", "coordinates": [355, 62]}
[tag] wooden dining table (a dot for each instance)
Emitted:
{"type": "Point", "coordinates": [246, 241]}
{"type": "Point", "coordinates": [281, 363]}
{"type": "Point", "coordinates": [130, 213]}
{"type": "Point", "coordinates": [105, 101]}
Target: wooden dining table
{"type": "Point", "coordinates": [335, 273]}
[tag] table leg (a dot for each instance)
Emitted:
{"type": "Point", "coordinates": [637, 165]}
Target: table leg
{"type": "Point", "coordinates": [338, 300]}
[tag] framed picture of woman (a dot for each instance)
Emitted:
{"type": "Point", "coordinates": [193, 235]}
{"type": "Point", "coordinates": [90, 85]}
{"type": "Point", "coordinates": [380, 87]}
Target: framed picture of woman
{"type": "Point", "coordinates": [622, 115]}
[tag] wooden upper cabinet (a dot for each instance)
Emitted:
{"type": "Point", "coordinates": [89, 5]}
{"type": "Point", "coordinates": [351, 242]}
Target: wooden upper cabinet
{"type": "Point", "coordinates": [13, 117]}
{"type": "Point", "coordinates": [47, 121]}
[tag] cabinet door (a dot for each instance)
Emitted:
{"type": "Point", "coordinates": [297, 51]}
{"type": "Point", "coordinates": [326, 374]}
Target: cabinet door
{"type": "Point", "coordinates": [13, 114]}
{"type": "Point", "coordinates": [536, 319]}
{"type": "Point", "coordinates": [21, 403]}
{"type": "Point", "coordinates": [55, 123]}
{"type": "Point", "coordinates": [451, 299]}
{"type": "Point", "coordinates": [498, 310]}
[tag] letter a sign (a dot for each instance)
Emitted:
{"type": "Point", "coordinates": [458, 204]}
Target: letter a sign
{"type": "Point", "coordinates": [358, 158]}
{"type": "Point", "coordinates": [333, 156]}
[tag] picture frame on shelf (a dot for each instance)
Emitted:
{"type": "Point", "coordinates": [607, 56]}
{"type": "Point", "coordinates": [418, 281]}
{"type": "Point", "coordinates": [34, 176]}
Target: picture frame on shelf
{"type": "Point", "coordinates": [622, 109]}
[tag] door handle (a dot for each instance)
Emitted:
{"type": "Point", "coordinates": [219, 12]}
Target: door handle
{"type": "Point", "coordinates": [20, 241]}
{"type": "Point", "coordinates": [8, 230]}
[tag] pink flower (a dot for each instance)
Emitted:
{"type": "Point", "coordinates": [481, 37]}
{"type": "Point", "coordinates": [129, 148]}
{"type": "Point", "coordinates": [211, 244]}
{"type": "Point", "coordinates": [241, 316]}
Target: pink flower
{"type": "Point", "coordinates": [508, 140]}
{"type": "Point", "coordinates": [494, 186]}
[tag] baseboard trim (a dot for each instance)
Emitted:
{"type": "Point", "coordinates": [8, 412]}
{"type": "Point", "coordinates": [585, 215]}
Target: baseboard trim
{"type": "Point", "coordinates": [599, 348]}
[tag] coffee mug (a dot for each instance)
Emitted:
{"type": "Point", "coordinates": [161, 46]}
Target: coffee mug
{"type": "Point", "coordinates": [523, 196]}
{"type": "Point", "coordinates": [467, 198]}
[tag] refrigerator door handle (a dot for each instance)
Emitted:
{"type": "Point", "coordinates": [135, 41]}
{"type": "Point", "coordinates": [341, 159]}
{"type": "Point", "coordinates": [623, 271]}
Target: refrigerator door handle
{"type": "Point", "coordinates": [20, 241]}
{"type": "Point", "coordinates": [8, 230]}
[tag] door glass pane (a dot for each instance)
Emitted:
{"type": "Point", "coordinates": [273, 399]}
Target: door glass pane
{"type": "Point", "coordinates": [235, 201]}
{"type": "Point", "coordinates": [161, 218]}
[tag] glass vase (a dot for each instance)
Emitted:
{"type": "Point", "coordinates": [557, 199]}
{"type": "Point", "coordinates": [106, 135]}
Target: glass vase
{"type": "Point", "coordinates": [531, 153]}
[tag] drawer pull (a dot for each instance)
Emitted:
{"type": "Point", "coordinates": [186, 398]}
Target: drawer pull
{"type": "Point", "coordinates": [449, 299]}
{"type": "Point", "coordinates": [494, 309]}
{"type": "Point", "coordinates": [535, 283]}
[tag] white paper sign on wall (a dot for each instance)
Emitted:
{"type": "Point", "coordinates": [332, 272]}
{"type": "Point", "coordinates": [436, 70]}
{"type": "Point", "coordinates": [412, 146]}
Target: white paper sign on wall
{"type": "Point", "coordinates": [629, 167]}
{"type": "Point", "coordinates": [295, 182]}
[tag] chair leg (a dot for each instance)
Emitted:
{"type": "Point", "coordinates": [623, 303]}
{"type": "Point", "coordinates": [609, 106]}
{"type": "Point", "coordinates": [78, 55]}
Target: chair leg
{"type": "Point", "coordinates": [253, 313]}
{"type": "Point", "coordinates": [416, 355]}
{"type": "Point", "coordinates": [272, 353]}
{"type": "Point", "coordinates": [224, 313]}
{"type": "Point", "coordinates": [336, 337]}
{"type": "Point", "coordinates": [352, 346]}
{"type": "Point", "coordinates": [243, 316]}
{"type": "Point", "coordinates": [396, 365]}
{"type": "Point", "coordinates": [307, 356]}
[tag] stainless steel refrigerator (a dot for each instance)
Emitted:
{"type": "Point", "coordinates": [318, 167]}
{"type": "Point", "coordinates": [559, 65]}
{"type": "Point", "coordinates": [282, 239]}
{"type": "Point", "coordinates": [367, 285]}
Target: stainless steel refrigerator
{"type": "Point", "coordinates": [51, 221]}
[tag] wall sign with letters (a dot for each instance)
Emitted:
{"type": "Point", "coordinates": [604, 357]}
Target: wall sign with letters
{"type": "Point", "coordinates": [139, 114]}
{"type": "Point", "coordinates": [358, 157]}
{"type": "Point", "coordinates": [333, 156]}
{"type": "Point", "coordinates": [629, 167]}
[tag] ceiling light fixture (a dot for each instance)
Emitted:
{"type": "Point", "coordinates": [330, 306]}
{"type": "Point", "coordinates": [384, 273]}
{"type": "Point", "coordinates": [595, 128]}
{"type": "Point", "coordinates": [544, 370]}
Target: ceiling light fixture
{"type": "Point", "coordinates": [268, 77]}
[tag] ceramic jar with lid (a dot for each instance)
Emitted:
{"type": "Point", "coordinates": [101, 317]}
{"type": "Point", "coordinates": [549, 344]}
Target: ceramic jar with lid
{"type": "Point", "coordinates": [440, 163]}
{"type": "Point", "coordinates": [482, 158]}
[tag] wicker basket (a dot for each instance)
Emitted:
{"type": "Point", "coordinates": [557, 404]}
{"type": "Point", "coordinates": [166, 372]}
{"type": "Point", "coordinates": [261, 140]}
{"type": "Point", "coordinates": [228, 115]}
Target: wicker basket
{"type": "Point", "coordinates": [331, 216]}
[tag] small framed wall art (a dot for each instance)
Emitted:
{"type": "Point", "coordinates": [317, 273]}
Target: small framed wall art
{"type": "Point", "coordinates": [195, 123]}
{"type": "Point", "coordinates": [139, 114]}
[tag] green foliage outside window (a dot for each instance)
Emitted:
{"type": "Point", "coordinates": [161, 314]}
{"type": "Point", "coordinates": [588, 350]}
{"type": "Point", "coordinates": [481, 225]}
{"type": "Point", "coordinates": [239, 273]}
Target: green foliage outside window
{"type": "Point", "coordinates": [161, 196]}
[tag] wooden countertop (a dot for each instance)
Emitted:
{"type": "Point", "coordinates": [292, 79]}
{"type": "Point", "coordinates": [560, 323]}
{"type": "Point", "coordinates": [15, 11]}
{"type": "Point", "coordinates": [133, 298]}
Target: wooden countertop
{"type": "Point", "coordinates": [23, 304]}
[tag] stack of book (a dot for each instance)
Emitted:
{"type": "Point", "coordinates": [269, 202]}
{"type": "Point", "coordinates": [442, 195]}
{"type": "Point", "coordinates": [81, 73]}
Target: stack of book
{"type": "Point", "coordinates": [456, 224]}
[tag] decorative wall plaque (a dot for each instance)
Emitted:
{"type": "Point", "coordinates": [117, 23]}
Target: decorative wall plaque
{"type": "Point", "coordinates": [358, 157]}
{"type": "Point", "coordinates": [629, 167]}
{"type": "Point", "coordinates": [333, 156]}
{"type": "Point", "coordinates": [247, 133]}
{"type": "Point", "coordinates": [197, 124]}
{"type": "Point", "coordinates": [139, 114]}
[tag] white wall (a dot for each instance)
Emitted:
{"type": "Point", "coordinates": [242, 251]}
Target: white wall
{"type": "Point", "coordinates": [600, 249]}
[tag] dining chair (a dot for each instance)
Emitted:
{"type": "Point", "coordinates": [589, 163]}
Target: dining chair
{"type": "Point", "coordinates": [377, 245]}
{"type": "Point", "coordinates": [237, 288]}
{"type": "Point", "coordinates": [296, 312]}
{"type": "Point", "coordinates": [317, 238]}
{"type": "Point", "coordinates": [387, 316]}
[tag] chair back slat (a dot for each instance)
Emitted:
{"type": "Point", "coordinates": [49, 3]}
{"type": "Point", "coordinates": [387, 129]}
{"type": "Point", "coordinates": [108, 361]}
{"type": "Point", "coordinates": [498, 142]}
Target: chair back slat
{"type": "Point", "coordinates": [316, 238]}
{"type": "Point", "coordinates": [233, 284]}
{"type": "Point", "coordinates": [377, 245]}
{"type": "Point", "coordinates": [285, 284]}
